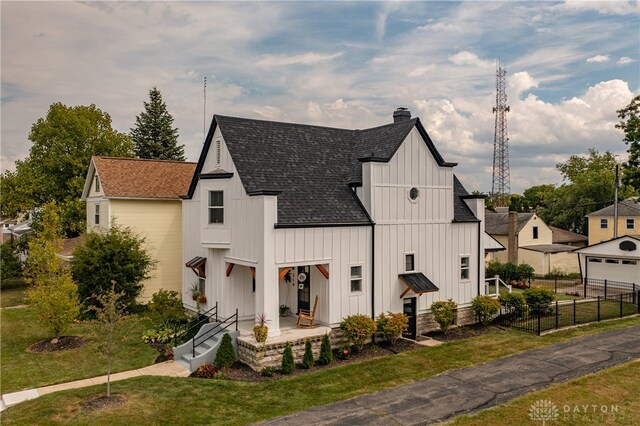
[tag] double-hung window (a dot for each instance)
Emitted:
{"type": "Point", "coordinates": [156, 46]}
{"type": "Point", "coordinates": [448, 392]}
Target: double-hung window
{"type": "Point", "coordinates": [631, 223]}
{"type": "Point", "coordinates": [604, 223]}
{"type": "Point", "coordinates": [464, 268]}
{"type": "Point", "coordinates": [216, 207]}
{"type": "Point", "coordinates": [97, 184]}
{"type": "Point", "coordinates": [356, 278]}
{"type": "Point", "coordinates": [96, 214]}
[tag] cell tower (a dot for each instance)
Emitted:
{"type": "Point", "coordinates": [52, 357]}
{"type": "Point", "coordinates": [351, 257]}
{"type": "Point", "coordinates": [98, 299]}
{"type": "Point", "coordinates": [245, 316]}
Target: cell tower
{"type": "Point", "coordinates": [501, 185]}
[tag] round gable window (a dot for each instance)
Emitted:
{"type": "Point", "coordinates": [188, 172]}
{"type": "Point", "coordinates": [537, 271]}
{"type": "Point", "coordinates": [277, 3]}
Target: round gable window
{"type": "Point", "coordinates": [413, 194]}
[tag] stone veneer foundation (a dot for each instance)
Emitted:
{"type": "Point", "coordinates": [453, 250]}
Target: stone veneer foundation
{"type": "Point", "coordinates": [252, 353]}
{"type": "Point", "coordinates": [426, 321]}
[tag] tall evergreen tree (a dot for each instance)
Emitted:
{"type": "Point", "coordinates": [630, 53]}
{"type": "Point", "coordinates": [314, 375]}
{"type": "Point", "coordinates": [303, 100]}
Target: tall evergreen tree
{"type": "Point", "coordinates": [154, 135]}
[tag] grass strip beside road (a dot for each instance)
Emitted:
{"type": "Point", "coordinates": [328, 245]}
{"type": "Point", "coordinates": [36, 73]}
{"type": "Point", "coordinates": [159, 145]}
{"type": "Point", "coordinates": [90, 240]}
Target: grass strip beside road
{"type": "Point", "coordinates": [606, 397]}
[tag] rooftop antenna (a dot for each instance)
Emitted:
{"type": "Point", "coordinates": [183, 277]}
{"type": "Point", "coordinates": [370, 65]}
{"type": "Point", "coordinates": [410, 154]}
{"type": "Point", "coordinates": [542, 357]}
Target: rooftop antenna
{"type": "Point", "coordinates": [204, 111]}
{"type": "Point", "coordinates": [501, 184]}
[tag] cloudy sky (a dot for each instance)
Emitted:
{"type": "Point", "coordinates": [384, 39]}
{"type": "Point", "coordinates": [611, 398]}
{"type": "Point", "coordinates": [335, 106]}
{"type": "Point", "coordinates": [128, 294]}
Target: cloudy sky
{"type": "Point", "coordinates": [570, 66]}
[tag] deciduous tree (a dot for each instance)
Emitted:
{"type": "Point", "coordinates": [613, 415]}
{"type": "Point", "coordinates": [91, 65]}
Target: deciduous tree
{"type": "Point", "coordinates": [63, 143]}
{"type": "Point", "coordinates": [630, 124]}
{"type": "Point", "coordinates": [115, 255]}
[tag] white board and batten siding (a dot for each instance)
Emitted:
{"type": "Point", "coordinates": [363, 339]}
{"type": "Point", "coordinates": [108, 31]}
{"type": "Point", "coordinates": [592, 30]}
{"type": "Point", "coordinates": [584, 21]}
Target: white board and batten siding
{"type": "Point", "coordinates": [337, 248]}
{"type": "Point", "coordinates": [422, 227]}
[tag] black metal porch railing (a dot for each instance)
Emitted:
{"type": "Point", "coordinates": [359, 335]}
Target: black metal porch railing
{"type": "Point", "coordinates": [188, 330]}
{"type": "Point", "coordinates": [540, 318]}
{"type": "Point", "coordinates": [222, 326]}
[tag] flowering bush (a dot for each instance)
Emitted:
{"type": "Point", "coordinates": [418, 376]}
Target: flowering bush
{"type": "Point", "coordinates": [344, 352]}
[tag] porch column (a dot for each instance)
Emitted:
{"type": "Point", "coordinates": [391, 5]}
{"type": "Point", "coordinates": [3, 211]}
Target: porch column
{"type": "Point", "coordinates": [266, 296]}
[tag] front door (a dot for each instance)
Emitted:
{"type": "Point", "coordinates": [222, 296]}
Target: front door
{"type": "Point", "coordinates": [304, 290]}
{"type": "Point", "coordinates": [409, 309]}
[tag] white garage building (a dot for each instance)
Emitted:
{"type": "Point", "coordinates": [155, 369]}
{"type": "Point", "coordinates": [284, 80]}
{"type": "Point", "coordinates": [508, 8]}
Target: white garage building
{"type": "Point", "coordinates": [616, 260]}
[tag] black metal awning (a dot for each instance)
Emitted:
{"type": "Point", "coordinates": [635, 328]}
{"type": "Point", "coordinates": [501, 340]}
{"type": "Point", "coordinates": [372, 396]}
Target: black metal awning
{"type": "Point", "coordinates": [418, 283]}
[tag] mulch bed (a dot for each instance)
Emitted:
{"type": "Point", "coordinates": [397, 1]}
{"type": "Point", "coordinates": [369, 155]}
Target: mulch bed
{"type": "Point", "coordinates": [464, 332]}
{"type": "Point", "coordinates": [102, 402]}
{"type": "Point", "coordinates": [162, 352]}
{"type": "Point", "coordinates": [242, 372]}
{"type": "Point", "coordinates": [53, 345]}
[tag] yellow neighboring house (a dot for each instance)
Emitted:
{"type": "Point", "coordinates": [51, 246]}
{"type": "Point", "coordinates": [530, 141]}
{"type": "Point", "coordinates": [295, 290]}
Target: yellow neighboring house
{"type": "Point", "coordinates": [602, 223]}
{"type": "Point", "coordinates": [143, 195]}
{"type": "Point", "coordinates": [527, 239]}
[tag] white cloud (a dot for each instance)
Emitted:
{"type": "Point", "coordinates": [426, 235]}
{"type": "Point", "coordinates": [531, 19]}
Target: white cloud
{"type": "Point", "coordinates": [625, 60]}
{"type": "Point", "coordinates": [308, 58]}
{"type": "Point", "coordinates": [610, 7]}
{"type": "Point", "coordinates": [421, 71]}
{"type": "Point", "coordinates": [470, 58]}
{"type": "Point", "coordinates": [598, 58]}
{"type": "Point", "coordinates": [522, 81]}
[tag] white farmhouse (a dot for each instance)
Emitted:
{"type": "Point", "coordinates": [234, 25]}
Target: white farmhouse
{"type": "Point", "coordinates": [367, 221]}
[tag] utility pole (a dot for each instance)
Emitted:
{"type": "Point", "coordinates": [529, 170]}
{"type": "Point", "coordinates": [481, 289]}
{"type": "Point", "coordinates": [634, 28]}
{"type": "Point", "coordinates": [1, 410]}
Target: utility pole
{"type": "Point", "coordinates": [615, 205]}
{"type": "Point", "coordinates": [501, 184]}
{"type": "Point", "coordinates": [204, 111]}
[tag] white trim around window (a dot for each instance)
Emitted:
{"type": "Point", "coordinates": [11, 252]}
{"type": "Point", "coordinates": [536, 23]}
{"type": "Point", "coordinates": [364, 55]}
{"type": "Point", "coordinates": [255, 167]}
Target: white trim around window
{"type": "Point", "coordinates": [356, 278]}
{"type": "Point", "coordinates": [631, 223]}
{"type": "Point", "coordinates": [604, 223]}
{"type": "Point", "coordinates": [215, 209]}
{"type": "Point", "coordinates": [465, 268]}
{"type": "Point", "coordinates": [409, 261]}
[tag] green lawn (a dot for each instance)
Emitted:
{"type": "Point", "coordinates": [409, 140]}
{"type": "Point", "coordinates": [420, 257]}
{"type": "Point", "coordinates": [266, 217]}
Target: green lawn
{"type": "Point", "coordinates": [559, 296]}
{"type": "Point", "coordinates": [163, 400]}
{"type": "Point", "coordinates": [24, 370]}
{"type": "Point", "coordinates": [618, 386]}
{"type": "Point", "coordinates": [13, 297]}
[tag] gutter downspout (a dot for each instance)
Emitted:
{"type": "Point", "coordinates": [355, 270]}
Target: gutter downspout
{"type": "Point", "coordinates": [373, 271]}
{"type": "Point", "coordinates": [479, 255]}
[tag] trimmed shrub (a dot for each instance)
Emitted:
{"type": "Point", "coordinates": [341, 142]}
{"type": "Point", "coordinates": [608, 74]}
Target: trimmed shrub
{"type": "Point", "coordinates": [357, 329]}
{"type": "Point", "coordinates": [392, 325]}
{"type": "Point", "coordinates": [206, 371]}
{"type": "Point", "coordinates": [538, 299]}
{"type": "Point", "coordinates": [225, 355]}
{"type": "Point", "coordinates": [444, 313]}
{"type": "Point", "coordinates": [288, 365]}
{"type": "Point", "coordinates": [166, 308]}
{"type": "Point", "coordinates": [307, 359]}
{"type": "Point", "coordinates": [485, 308]}
{"type": "Point", "coordinates": [326, 355]}
{"type": "Point", "coordinates": [525, 272]}
{"type": "Point", "coordinates": [514, 303]}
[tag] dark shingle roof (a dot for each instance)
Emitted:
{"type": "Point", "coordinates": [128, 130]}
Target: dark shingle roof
{"type": "Point", "coordinates": [628, 207]}
{"type": "Point", "coordinates": [311, 168]}
{"type": "Point", "coordinates": [498, 223]}
{"type": "Point", "coordinates": [461, 211]}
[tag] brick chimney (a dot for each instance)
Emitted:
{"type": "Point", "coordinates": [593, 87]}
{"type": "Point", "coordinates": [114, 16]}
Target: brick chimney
{"type": "Point", "coordinates": [401, 114]}
{"type": "Point", "coordinates": [512, 253]}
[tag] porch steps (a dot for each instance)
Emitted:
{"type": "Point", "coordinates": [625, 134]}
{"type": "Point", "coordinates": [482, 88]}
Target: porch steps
{"type": "Point", "coordinates": [205, 352]}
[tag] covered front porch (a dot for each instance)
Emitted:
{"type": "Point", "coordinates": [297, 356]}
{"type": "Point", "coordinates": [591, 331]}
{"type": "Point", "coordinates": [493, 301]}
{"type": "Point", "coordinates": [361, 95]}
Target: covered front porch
{"type": "Point", "coordinates": [289, 331]}
{"type": "Point", "coordinates": [279, 293]}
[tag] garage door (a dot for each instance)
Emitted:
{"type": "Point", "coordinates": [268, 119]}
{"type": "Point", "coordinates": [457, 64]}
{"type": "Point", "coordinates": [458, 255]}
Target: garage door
{"type": "Point", "coordinates": [614, 269]}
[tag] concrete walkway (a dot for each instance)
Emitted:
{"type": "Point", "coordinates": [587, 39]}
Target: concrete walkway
{"type": "Point", "coordinates": [475, 388]}
{"type": "Point", "coordinates": [167, 368]}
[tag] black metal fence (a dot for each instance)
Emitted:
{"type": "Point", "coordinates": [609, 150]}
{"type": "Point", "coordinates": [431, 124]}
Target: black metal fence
{"type": "Point", "coordinates": [540, 318]}
{"type": "Point", "coordinates": [586, 288]}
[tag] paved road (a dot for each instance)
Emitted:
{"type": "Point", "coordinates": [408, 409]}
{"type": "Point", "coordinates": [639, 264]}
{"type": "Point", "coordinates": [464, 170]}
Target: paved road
{"type": "Point", "coordinates": [475, 388]}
